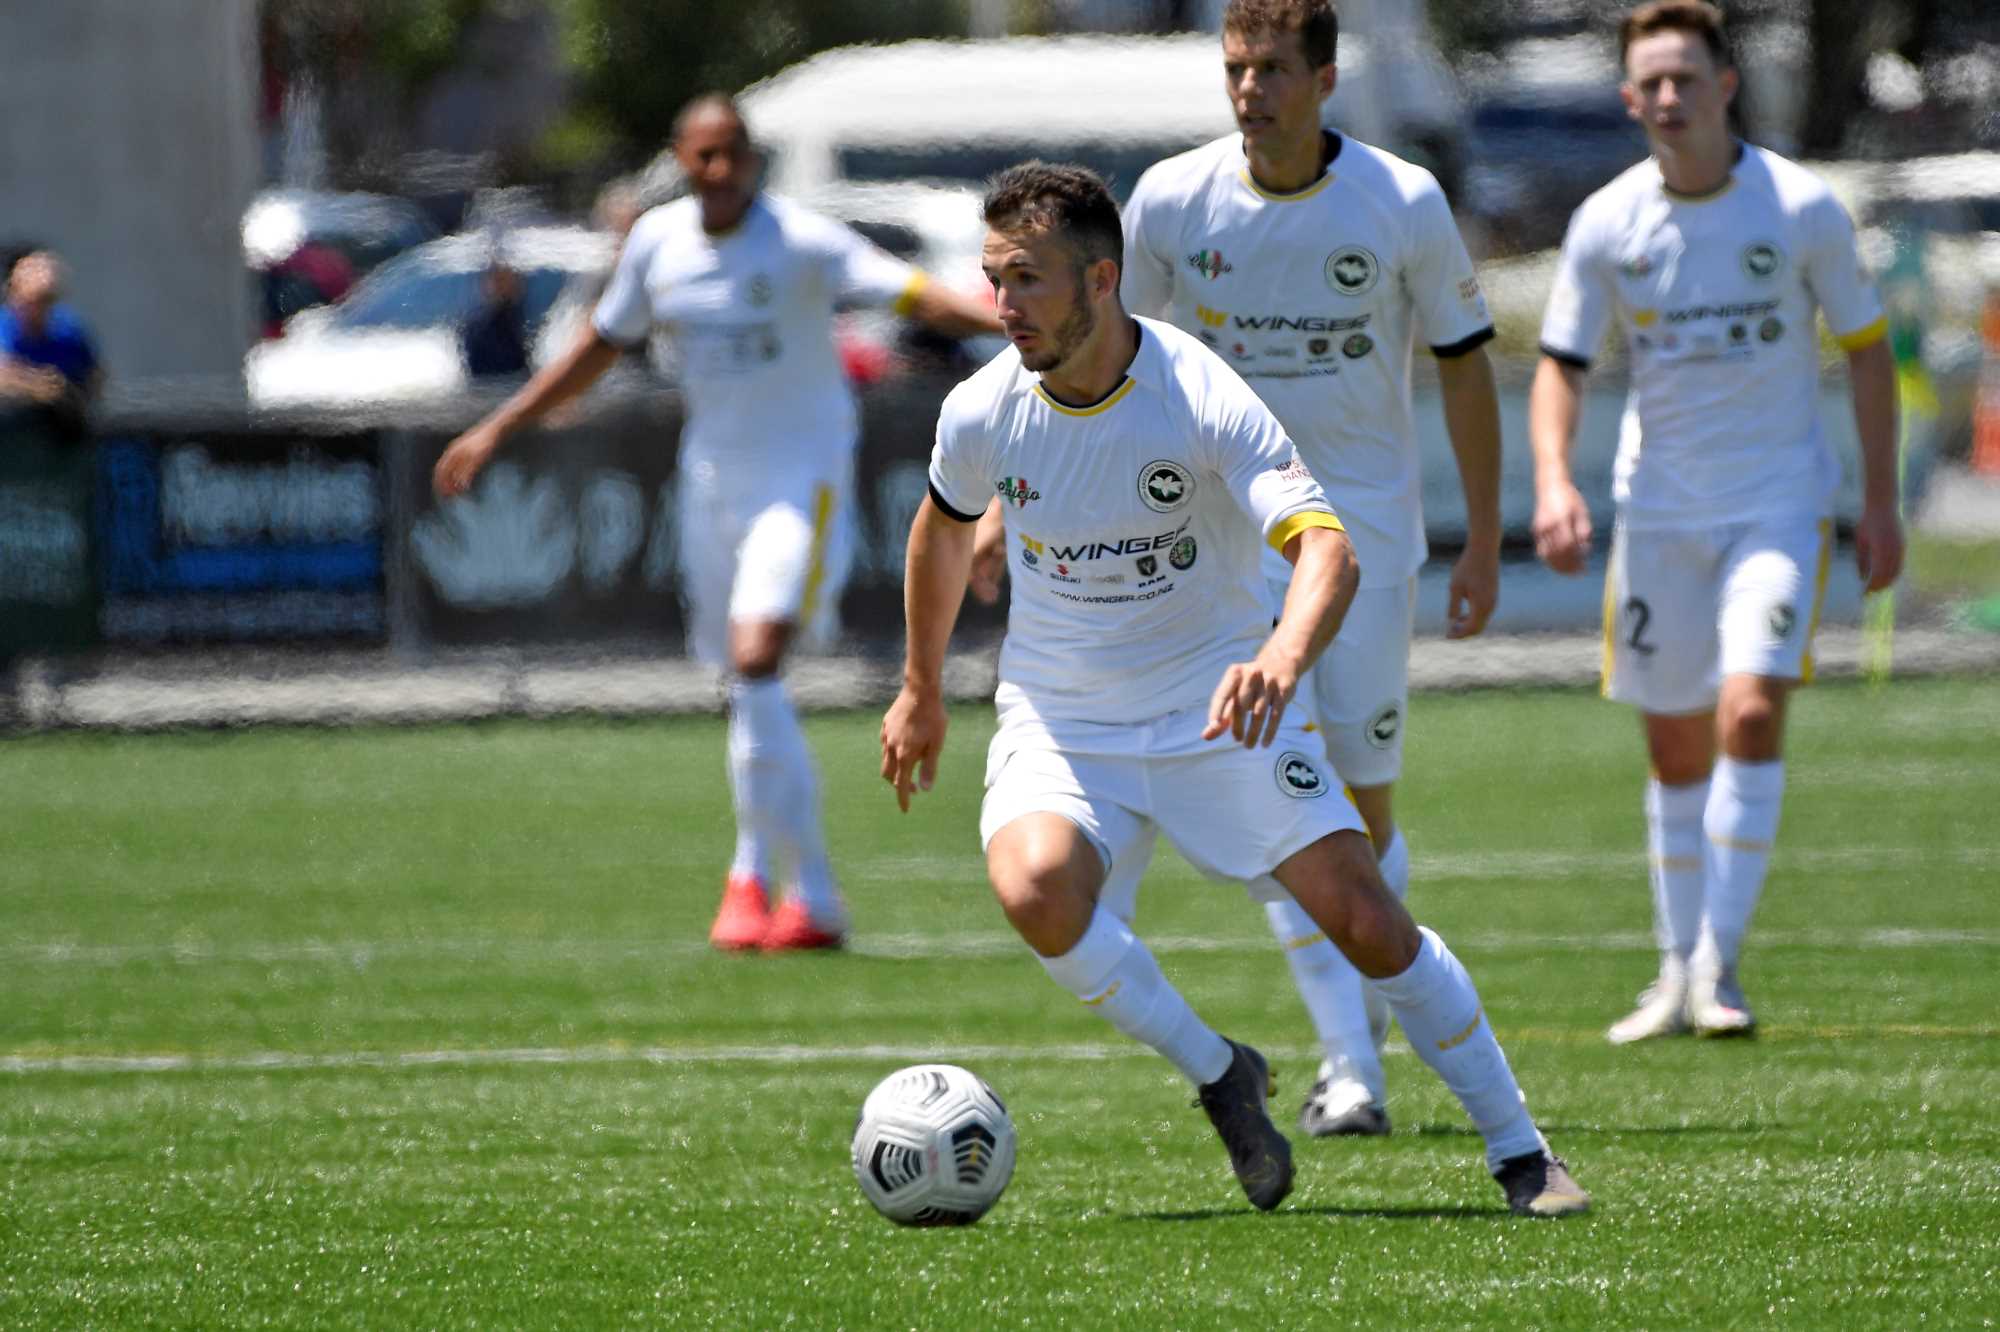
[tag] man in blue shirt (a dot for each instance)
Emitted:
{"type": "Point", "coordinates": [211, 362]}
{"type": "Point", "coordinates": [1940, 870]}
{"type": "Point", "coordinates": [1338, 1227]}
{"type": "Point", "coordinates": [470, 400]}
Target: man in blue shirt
{"type": "Point", "coordinates": [46, 355]}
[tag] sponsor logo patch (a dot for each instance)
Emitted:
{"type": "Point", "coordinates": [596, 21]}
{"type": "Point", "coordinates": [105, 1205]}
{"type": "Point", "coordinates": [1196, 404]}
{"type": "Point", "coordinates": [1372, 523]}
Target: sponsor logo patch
{"type": "Point", "coordinates": [1210, 264]}
{"type": "Point", "coordinates": [1182, 555]}
{"type": "Point", "coordinates": [1357, 346]}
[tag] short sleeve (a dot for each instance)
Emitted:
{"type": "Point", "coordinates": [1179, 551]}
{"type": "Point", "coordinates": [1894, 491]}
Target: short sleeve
{"type": "Point", "coordinates": [1147, 284]}
{"type": "Point", "coordinates": [960, 483]}
{"type": "Point", "coordinates": [1582, 301]}
{"type": "Point", "coordinates": [1837, 279]}
{"type": "Point", "coordinates": [1442, 287]}
{"type": "Point", "coordinates": [859, 272]}
{"type": "Point", "coordinates": [1256, 461]}
{"type": "Point", "coordinates": [624, 314]}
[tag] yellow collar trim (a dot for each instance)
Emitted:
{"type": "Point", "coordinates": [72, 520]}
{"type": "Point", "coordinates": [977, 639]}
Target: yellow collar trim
{"type": "Point", "coordinates": [1104, 403]}
{"type": "Point", "coordinates": [1293, 197]}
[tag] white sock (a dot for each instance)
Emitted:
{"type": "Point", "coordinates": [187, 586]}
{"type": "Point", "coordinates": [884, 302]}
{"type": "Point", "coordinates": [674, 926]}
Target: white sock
{"type": "Point", "coordinates": [1675, 849]}
{"type": "Point", "coordinates": [777, 793]}
{"type": "Point", "coordinates": [1395, 865]}
{"type": "Point", "coordinates": [1440, 1013]}
{"type": "Point", "coordinates": [1741, 822]}
{"type": "Point", "coordinates": [1334, 995]}
{"type": "Point", "coordinates": [1111, 970]}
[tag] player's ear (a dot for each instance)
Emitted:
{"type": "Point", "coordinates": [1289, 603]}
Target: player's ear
{"type": "Point", "coordinates": [1630, 96]}
{"type": "Point", "coordinates": [1728, 80]}
{"type": "Point", "coordinates": [1103, 278]}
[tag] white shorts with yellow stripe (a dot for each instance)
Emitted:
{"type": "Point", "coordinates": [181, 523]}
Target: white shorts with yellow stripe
{"type": "Point", "coordinates": [760, 544]}
{"type": "Point", "coordinates": [1685, 607]}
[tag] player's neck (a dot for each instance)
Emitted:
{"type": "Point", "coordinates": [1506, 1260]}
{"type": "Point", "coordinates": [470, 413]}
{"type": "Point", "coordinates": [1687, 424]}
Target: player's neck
{"type": "Point", "coordinates": [1287, 168]}
{"type": "Point", "coordinates": [1698, 170]}
{"type": "Point", "coordinates": [722, 217]}
{"type": "Point", "coordinates": [1098, 365]}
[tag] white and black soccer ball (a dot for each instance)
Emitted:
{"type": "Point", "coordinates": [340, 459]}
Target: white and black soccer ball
{"type": "Point", "coordinates": [933, 1146]}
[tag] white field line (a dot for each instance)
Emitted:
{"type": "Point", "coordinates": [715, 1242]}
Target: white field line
{"type": "Point", "coordinates": [359, 954]}
{"type": "Point", "coordinates": [280, 1061]}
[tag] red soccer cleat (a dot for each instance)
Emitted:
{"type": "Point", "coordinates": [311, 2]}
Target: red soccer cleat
{"type": "Point", "coordinates": [792, 930]}
{"type": "Point", "coordinates": [744, 917]}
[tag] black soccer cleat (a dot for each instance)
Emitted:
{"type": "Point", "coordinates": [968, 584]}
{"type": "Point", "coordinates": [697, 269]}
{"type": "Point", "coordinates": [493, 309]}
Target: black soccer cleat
{"type": "Point", "coordinates": [1236, 1105]}
{"type": "Point", "coordinates": [1539, 1184]}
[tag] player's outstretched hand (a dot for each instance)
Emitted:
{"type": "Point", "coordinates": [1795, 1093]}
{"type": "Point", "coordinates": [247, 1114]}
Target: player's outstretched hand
{"type": "Point", "coordinates": [1475, 591]}
{"type": "Point", "coordinates": [463, 458]}
{"type": "Point", "coordinates": [1249, 701]}
{"type": "Point", "coordinates": [1878, 547]}
{"type": "Point", "coordinates": [912, 738]}
{"type": "Point", "coordinates": [1562, 529]}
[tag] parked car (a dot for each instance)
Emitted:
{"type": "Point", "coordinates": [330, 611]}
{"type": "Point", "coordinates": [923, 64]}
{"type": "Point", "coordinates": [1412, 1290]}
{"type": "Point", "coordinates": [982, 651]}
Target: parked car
{"type": "Point", "coordinates": [308, 247]}
{"type": "Point", "coordinates": [395, 336]}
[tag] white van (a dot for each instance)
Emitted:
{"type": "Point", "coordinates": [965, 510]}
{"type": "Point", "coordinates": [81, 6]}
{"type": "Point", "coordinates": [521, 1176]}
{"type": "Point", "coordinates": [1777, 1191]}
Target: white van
{"type": "Point", "coordinates": [961, 110]}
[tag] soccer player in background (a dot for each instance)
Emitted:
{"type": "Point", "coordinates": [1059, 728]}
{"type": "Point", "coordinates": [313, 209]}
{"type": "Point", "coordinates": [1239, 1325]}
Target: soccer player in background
{"type": "Point", "coordinates": [745, 286]}
{"type": "Point", "coordinates": [1312, 262]}
{"type": "Point", "coordinates": [1712, 258]}
{"type": "Point", "coordinates": [1142, 685]}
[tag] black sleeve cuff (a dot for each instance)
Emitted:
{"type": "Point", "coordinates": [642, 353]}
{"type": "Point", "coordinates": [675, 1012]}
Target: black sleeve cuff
{"type": "Point", "coordinates": [937, 502]}
{"type": "Point", "coordinates": [1465, 344]}
{"type": "Point", "coordinates": [1568, 358]}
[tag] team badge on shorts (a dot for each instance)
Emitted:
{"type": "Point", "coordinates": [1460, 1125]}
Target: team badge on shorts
{"type": "Point", "coordinates": [1298, 776]}
{"type": "Point", "coordinates": [1351, 271]}
{"type": "Point", "coordinates": [1783, 620]}
{"type": "Point", "coordinates": [1164, 485]}
{"type": "Point", "coordinates": [1384, 726]}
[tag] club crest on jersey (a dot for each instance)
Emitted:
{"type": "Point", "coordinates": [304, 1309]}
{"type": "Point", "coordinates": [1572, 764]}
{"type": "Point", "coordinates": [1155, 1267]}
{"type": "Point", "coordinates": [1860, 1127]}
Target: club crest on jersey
{"type": "Point", "coordinates": [1016, 491]}
{"type": "Point", "coordinates": [1298, 777]}
{"type": "Point", "coordinates": [1164, 485]}
{"type": "Point", "coordinates": [760, 290]}
{"type": "Point", "coordinates": [1636, 267]}
{"type": "Point", "coordinates": [1762, 260]}
{"type": "Point", "coordinates": [1351, 271]}
{"type": "Point", "coordinates": [1210, 264]}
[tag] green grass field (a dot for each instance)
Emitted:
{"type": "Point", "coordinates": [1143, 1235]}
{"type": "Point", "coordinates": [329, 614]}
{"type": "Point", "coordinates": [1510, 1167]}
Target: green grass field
{"type": "Point", "coordinates": [416, 1028]}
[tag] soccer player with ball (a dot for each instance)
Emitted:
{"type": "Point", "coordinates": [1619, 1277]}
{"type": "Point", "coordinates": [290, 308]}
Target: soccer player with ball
{"type": "Point", "coordinates": [1714, 260]}
{"type": "Point", "coordinates": [1142, 686]}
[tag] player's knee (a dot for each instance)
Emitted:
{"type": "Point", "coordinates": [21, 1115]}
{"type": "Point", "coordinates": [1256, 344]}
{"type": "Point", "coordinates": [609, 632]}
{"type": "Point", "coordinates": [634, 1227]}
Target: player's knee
{"type": "Point", "coordinates": [1046, 910]}
{"type": "Point", "coordinates": [756, 650]}
{"type": "Point", "coordinates": [1752, 726]}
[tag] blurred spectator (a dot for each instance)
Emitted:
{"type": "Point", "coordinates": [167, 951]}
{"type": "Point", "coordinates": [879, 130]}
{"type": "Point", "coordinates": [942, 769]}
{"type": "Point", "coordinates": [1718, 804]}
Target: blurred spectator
{"type": "Point", "coordinates": [314, 274]}
{"type": "Point", "coordinates": [495, 339]}
{"type": "Point", "coordinates": [47, 359]}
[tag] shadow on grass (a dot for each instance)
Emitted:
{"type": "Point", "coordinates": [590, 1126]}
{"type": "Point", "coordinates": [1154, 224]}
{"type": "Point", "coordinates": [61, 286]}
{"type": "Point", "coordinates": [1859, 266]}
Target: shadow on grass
{"type": "Point", "coordinates": [1365, 1213]}
{"type": "Point", "coordinates": [1610, 1131]}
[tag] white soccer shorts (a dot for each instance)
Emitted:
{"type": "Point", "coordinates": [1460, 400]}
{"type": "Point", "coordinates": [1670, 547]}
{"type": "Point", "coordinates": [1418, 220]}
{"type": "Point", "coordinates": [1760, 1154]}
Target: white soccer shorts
{"type": "Point", "coordinates": [1358, 692]}
{"type": "Point", "coordinates": [1685, 607]}
{"type": "Point", "coordinates": [758, 546]}
{"type": "Point", "coordinates": [1234, 813]}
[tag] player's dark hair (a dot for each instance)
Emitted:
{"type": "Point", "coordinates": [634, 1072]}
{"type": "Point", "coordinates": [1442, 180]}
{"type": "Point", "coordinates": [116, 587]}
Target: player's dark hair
{"type": "Point", "coordinates": [703, 103]}
{"type": "Point", "coordinates": [1695, 16]}
{"type": "Point", "coordinates": [1068, 200]}
{"type": "Point", "coordinates": [1315, 21]}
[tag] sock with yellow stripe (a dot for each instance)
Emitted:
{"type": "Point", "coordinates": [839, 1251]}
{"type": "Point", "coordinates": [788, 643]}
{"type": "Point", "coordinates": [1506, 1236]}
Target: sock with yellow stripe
{"type": "Point", "coordinates": [1440, 1013]}
{"type": "Point", "coordinates": [1112, 971]}
{"type": "Point", "coordinates": [1741, 821]}
{"type": "Point", "coordinates": [1335, 997]}
{"type": "Point", "coordinates": [1675, 850]}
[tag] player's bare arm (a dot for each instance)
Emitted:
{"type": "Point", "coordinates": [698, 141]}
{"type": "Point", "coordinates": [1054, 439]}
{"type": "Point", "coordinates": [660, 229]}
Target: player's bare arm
{"type": "Point", "coordinates": [1472, 419]}
{"type": "Point", "coordinates": [556, 383]}
{"type": "Point", "coordinates": [934, 577]}
{"type": "Point", "coordinates": [1562, 519]}
{"type": "Point", "coordinates": [1878, 536]}
{"type": "Point", "coordinates": [989, 555]}
{"type": "Point", "coordinates": [953, 313]}
{"type": "Point", "coordinates": [1251, 697]}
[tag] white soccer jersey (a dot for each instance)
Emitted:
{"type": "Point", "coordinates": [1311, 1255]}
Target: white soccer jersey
{"type": "Point", "coordinates": [1715, 296]}
{"type": "Point", "coordinates": [750, 313]}
{"type": "Point", "coordinates": [1316, 298]}
{"type": "Point", "coordinates": [1134, 527]}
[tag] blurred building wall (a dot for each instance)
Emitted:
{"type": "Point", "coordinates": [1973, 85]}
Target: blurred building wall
{"type": "Point", "coordinates": [128, 143]}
